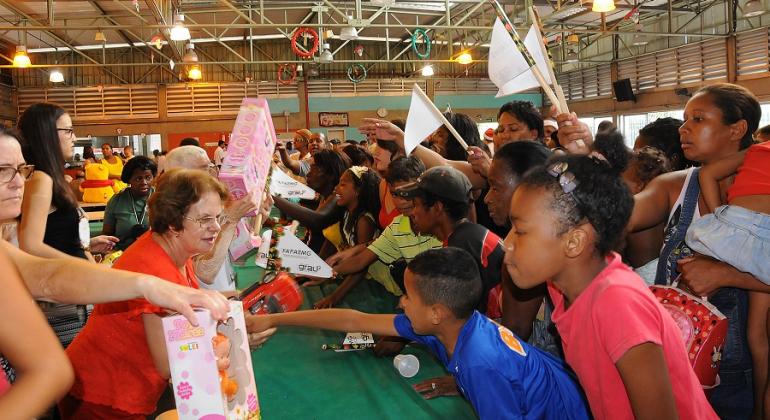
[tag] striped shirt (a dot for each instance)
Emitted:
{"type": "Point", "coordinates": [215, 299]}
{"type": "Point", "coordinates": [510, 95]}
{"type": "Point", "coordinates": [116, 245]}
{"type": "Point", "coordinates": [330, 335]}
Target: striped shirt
{"type": "Point", "coordinates": [397, 241]}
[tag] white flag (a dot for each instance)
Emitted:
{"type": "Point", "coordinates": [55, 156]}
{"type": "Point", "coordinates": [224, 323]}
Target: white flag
{"type": "Point", "coordinates": [299, 259]}
{"type": "Point", "coordinates": [508, 69]}
{"type": "Point", "coordinates": [285, 186]}
{"type": "Point", "coordinates": [421, 121]}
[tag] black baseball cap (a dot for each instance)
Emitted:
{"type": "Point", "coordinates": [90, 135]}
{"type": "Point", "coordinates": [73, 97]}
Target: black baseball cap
{"type": "Point", "coordinates": [444, 182]}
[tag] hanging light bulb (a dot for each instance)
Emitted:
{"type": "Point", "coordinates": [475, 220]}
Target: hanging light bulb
{"type": "Point", "coordinates": [753, 8]}
{"type": "Point", "coordinates": [179, 32]}
{"type": "Point", "coordinates": [427, 71]}
{"type": "Point", "coordinates": [349, 33]}
{"type": "Point", "coordinates": [195, 73]}
{"type": "Point", "coordinates": [56, 76]}
{"type": "Point", "coordinates": [326, 56]}
{"type": "Point", "coordinates": [190, 56]}
{"type": "Point", "coordinates": [99, 37]}
{"type": "Point", "coordinates": [639, 38]}
{"type": "Point", "coordinates": [572, 56]}
{"type": "Point", "coordinates": [21, 59]}
{"type": "Point", "coordinates": [464, 58]}
{"type": "Point", "coordinates": [603, 6]}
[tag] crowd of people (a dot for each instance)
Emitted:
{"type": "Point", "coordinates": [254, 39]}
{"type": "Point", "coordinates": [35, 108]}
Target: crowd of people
{"type": "Point", "coordinates": [522, 262]}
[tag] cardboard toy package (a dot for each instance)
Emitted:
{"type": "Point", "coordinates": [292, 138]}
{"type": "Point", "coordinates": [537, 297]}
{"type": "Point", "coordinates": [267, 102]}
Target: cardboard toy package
{"type": "Point", "coordinates": [211, 368]}
{"type": "Point", "coordinates": [250, 150]}
{"type": "Point", "coordinates": [244, 244]}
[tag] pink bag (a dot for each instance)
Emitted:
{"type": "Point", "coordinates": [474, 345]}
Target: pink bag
{"type": "Point", "coordinates": [703, 327]}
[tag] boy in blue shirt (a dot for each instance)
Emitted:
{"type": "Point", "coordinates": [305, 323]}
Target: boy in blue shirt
{"type": "Point", "coordinates": [502, 376]}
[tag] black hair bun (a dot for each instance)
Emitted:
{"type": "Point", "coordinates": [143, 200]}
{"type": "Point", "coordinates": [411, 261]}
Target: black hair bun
{"type": "Point", "coordinates": [612, 146]}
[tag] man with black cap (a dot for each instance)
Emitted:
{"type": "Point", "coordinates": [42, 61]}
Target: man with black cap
{"type": "Point", "coordinates": [442, 199]}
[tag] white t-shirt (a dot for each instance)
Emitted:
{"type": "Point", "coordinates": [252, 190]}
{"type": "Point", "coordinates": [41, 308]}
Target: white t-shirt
{"type": "Point", "coordinates": [219, 156]}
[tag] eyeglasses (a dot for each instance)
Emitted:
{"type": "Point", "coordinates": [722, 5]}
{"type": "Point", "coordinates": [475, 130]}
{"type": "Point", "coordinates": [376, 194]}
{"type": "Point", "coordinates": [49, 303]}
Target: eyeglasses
{"type": "Point", "coordinates": [567, 179]}
{"type": "Point", "coordinates": [8, 172]}
{"type": "Point", "coordinates": [68, 131]}
{"type": "Point", "coordinates": [205, 222]}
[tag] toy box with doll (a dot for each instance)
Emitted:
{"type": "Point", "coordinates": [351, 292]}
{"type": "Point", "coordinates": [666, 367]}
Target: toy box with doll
{"type": "Point", "coordinates": [250, 151]}
{"type": "Point", "coordinates": [210, 367]}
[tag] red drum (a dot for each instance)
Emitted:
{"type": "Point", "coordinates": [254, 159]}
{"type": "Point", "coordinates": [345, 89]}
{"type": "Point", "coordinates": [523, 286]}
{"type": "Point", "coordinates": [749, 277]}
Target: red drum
{"type": "Point", "coordinates": [703, 329]}
{"type": "Point", "coordinates": [278, 293]}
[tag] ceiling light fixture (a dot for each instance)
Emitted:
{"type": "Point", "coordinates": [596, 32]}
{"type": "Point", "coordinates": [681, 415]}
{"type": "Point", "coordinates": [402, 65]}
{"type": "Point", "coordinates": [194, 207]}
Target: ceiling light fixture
{"type": "Point", "coordinates": [99, 37]}
{"type": "Point", "coordinates": [56, 76]}
{"type": "Point", "coordinates": [639, 38]}
{"type": "Point", "coordinates": [349, 33]}
{"type": "Point", "coordinates": [190, 56]}
{"type": "Point", "coordinates": [21, 59]}
{"type": "Point", "coordinates": [427, 71]}
{"type": "Point", "coordinates": [753, 8]}
{"type": "Point", "coordinates": [573, 39]}
{"type": "Point", "coordinates": [326, 56]}
{"type": "Point", "coordinates": [464, 58]}
{"type": "Point", "coordinates": [179, 32]}
{"type": "Point", "coordinates": [603, 6]}
{"type": "Point", "coordinates": [195, 72]}
{"type": "Point", "coordinates": [572, 56]}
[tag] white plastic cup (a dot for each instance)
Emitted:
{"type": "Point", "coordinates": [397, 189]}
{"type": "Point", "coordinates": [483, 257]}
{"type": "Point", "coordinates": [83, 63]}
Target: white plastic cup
{"type": "Point", "coordinates": [407, 364]}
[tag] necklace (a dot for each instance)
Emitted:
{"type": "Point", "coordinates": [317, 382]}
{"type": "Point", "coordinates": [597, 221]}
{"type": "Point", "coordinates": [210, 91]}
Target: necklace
{"type": "Point", "coordinates": [133, 207]}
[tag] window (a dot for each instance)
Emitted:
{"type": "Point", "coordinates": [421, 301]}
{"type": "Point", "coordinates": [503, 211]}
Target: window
{"type": "Point", "coordinates": [765, 120]}
{"type": "Point", "coordinates": [631, 124]}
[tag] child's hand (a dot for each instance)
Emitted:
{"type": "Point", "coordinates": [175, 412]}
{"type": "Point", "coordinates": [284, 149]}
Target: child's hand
{"type": "Point", "coordinates": [479, 161]}
{"type": "Point", "coordinates": [326, 302]}
{"type": "Point", "coordinates": [437, 387]}
{"type": "Point", "coordinates": [342, 255]}
{"type": "Point", "coordinates": [256, 339]}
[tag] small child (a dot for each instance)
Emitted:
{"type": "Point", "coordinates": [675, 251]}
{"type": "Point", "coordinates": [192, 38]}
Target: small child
{"type": "Point", "coordinates": [358, 193]}
{"type": "Point", "coordinates": [625, 348]}
{"type": "Point", "coordinates": [739, 234]}
{"type": "Point", "coordinates": [502, 376]}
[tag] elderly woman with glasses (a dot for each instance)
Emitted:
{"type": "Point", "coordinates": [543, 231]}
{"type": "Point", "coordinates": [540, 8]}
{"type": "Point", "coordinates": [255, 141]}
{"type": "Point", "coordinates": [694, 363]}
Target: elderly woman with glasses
{"type": "Point", "coordinates": [119, 358]}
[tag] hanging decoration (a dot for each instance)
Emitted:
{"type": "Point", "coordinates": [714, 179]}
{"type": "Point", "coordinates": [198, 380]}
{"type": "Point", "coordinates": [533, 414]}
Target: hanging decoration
{"type": "Point", "coordinates": [356, 72]}
{"type": "Point", "coordinates": [305, 32]}
{"type": "Point", "coordinates": [287, 73]}
{"type": "Point", "coordinates": [359, 50]}
{"type": "Point", "coordinates": [425, 40]}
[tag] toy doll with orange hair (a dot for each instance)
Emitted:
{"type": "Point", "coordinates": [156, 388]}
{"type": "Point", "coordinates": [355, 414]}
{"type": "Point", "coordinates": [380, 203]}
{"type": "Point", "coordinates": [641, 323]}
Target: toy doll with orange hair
{"type": "Point", "coordinates": [222, 354]}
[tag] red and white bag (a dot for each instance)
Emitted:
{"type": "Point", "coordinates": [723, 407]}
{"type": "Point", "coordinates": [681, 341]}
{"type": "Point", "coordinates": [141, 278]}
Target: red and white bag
{"type": "Point", "coordinates": [703, 328]}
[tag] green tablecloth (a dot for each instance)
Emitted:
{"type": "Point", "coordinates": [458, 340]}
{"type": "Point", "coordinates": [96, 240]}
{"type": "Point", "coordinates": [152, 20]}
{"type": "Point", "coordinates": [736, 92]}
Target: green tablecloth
{"type": "Point", "coordinates": [298, 380]}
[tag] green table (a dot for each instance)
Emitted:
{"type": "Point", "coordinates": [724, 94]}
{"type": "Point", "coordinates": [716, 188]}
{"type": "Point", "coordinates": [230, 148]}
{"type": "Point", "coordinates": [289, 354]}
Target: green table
{"type": "Point", "coordinates": [298, 380]}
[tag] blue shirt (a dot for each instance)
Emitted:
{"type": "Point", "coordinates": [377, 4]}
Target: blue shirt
{"type": "Point", "coordinates": [502, 376]}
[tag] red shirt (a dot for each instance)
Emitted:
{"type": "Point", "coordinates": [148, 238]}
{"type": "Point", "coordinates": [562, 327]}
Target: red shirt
{"type": "Point", "coordinates": [112, 361]}
{"type": "Point", "coordinates": [754, 174]}
{"type": "Point", "coordinates": [615, 313]}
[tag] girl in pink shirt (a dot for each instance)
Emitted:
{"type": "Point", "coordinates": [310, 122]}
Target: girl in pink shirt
{"type": "Point", "coordinates": [623, 345]}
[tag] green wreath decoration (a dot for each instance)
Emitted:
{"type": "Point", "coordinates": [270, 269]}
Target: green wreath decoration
{"type": "Point", "coordinates": [427, 42]}
{"type": "Point", "coordinates": [356, 73]}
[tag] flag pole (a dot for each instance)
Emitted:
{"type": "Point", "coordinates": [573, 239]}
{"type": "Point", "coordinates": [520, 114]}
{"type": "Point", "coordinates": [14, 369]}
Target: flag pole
{"type": "Point", "coordinates": [442, 117]}
{"type": "Point", "coordinates": [527, 56]}
{"type": "Point", "coordinates": [546, 53]}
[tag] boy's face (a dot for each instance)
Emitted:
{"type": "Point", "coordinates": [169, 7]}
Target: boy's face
{"type": "Point", "coordinates": [419, 314]}
{"type": "Point", "coordinates": [534, 245]}
{"type": "Point", "coordinates": [404, 205]}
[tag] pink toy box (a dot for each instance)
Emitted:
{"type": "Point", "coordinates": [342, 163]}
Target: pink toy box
{"type": "Point", "coordinates": [211, 368]}
{"type": "Point", "coordinates": [244, 244]}
{"type": "Point", "coordinates": [250, 150]}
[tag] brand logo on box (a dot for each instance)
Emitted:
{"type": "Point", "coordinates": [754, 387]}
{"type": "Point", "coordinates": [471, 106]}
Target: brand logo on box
{"type": "Point", "coordinates": [188, 347]}
{"type": "Point", "coordinates": [183, 330]}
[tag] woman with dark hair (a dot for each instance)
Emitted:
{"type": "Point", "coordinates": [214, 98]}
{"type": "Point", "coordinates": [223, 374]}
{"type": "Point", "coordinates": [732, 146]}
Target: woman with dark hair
{"type": "Point", "coordinates": [444, 143]}
{"type": "Point", "coordinates": [114, 164]}
{"type": "Point", "coordinates": [52, 223]}
{"type": "Point", "coordinates": [88, 155]}
{"type": "Point", "coordinates": [663, 134]}
{"type": "Point", "coordinates": [126, 213]}
{"type": "Point", "coordinates": [719, 120]}
{"type": "Point", "coordinates": [325, 171]}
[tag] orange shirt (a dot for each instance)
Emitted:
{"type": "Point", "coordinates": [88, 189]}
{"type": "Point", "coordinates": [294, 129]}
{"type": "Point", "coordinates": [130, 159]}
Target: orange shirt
{"type": "Point", "coordinates": [754, 174]}
{"type": "Point", "coordinates": [112, 361]}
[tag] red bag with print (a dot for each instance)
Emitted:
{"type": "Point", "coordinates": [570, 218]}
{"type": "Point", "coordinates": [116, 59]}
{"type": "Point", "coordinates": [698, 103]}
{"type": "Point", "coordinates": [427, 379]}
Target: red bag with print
{"type": "Point", "coordinates": [703, 327]}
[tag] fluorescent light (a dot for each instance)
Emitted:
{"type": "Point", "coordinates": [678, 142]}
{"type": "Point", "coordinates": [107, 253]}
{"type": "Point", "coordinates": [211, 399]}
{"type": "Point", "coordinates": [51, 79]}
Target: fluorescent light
{"type": "Point", "coordinates": [179, 32]}
{"type": "Point", "coordinates": [753, 8]}
{"type": "Point", "coordinates": [21, 59]}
